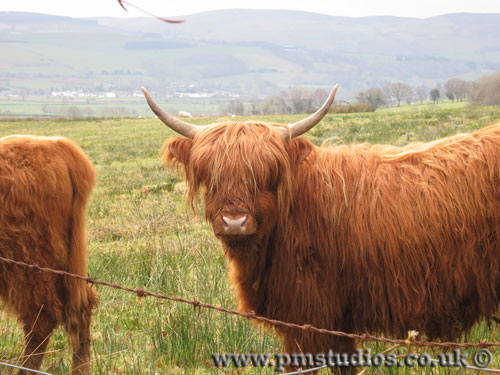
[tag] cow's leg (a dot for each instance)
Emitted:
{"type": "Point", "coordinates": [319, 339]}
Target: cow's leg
{"type": "Point", "coordinates": [348, 346]}
{"type": "Point", "coordinates": [81, 353]}
{"type": "Point", "coordinates": [82, 348]}
{"type": "Point", "coordinates": [299, 342]}
{"type": "Point", "coordinates": [81, 356]}
{"type": "Point", "coordinates": [37, 335]}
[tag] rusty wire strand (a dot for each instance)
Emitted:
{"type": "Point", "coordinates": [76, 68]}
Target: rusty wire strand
{"type": "Point", "coordinates": [251, 315]}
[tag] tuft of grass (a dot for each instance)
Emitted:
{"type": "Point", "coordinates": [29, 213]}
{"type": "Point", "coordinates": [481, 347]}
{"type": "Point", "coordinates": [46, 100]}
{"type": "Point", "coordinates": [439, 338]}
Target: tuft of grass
{"type": "Point", "coordinates": [142, 234]}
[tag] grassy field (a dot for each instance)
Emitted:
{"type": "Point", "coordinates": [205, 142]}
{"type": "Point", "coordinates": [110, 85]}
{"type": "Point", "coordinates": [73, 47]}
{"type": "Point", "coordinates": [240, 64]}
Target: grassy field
{"type": "Point", "coordinates": [426, 106]}
{"type": "Point", "coordinates": [143, 235]}
{"type": "Point", "coordinates": [59, 107]}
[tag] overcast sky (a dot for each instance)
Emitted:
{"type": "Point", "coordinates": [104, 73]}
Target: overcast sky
{"type": "Point", "coordinates": [351, 8]}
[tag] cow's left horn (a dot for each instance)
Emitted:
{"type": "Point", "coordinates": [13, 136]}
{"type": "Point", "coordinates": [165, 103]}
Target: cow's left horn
{"type": "Point", "coordinates": [306, 124]}
{"type": "Point", "coordinates": [183, 128]}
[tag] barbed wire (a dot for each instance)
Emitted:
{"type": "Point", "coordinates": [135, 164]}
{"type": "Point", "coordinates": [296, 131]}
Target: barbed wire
{"type": "Point", "coordinates": [23, 368]}
{"type": "Point", "coordinates": [251, 315]}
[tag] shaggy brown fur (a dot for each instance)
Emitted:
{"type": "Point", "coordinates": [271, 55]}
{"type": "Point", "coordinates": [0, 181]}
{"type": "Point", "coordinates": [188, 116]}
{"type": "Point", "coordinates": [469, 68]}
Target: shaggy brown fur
{"type": "Point", "coordinates": [356, 238]}
{"type": "Point", "coordinates": [44, 187]}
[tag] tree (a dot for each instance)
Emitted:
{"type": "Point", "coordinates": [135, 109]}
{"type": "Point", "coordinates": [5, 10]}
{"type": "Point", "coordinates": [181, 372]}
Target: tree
{"type": "Point", "coordinates": [274, 104]}
{"type": "Point", "coordinates": [254, 106]}
{"type": "Point", "coordinates": [71, 112]}
{"type": "Point", "coordinates": [441, 90]}
{"type": "Point", "coordinates": [456, 88]}
{"type": "Point", "coordinates": [409, 98]}
{"type": "Point", "coordinates": [236, 107]}
{"type": "Point", "coordinates": [387, 92]}
{"type": "Point", "coordinates": [421, 93]}
{"type": "Point", "coordinates": [435, 95]}
{"type": "Point", "coordinates": [300, 99]}
{"type": "Point", "coordinates": [401, 91]}
{"type": "Point", "coordinates": [373, 96]}
{"type": "Point", "coordinates": [486, 91]}
{"type": "Point", "coordinates": [319, 96]}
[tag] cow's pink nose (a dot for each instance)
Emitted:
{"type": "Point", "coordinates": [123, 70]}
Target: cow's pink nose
{"type": "Point", "coordinates": [234, 225]}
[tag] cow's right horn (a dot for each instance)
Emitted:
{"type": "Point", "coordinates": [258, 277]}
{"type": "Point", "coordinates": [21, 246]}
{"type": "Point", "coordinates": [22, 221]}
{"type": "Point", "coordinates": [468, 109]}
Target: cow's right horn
{"type": "Point", "coordinates": [306, 124]}
{"type": "Point", "coordinates": [183, 128]}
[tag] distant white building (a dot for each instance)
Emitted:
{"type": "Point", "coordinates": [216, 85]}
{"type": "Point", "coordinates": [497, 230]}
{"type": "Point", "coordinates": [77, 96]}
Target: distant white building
{"type": "Point", "coordinates": [72, 94]}
{"type": "Point", "coordinates": [193, 94]}
{"type": "Point", "coordinates": [63, 93]}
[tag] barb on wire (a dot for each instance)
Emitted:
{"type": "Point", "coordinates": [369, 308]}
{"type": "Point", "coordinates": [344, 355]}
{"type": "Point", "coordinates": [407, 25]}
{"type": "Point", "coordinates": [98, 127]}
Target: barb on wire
{"type": "Point", "coordinates": [24, 368]}
{"type": "Point", "coordinates": [121, 2]}
{"type": "Point", "coordinates": [251, 315]}
{"type": "Point", "coordinates": [412, 336]}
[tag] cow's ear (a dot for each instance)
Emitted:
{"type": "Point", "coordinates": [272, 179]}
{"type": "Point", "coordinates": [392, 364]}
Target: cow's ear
{"type": "Point", "coordinates": [177, 150]}
{"type": "Point", "coordinates": [299, 150]}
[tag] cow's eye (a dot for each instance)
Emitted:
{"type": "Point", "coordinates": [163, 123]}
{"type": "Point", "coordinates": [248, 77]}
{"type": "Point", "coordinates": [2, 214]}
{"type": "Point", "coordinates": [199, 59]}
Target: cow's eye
{"type": "Point", "coordinates": [273, 184]}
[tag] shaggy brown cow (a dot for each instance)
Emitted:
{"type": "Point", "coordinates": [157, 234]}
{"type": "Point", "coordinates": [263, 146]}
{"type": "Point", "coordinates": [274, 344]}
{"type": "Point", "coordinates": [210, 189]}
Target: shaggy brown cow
{"type": "Point", "coordinates": [357, 238]}
{"type": "Point", "coordinates": [45, 183]}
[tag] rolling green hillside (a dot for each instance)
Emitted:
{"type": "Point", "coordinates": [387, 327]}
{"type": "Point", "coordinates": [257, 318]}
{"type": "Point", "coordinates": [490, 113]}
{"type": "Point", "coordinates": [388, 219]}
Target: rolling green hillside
{"type": "Point", "coordinates": [245, 52]}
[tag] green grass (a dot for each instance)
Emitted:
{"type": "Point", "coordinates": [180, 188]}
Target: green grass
{"type": "Point", "coordinates": [143, 235]}
{"type": "Point", "coordinates": [427, 105]}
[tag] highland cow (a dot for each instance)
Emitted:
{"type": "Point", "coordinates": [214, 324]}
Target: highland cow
{"type": "Point", "coordinates": [357, 238]}
{"type": "Point", "coordinates": [45, 183]}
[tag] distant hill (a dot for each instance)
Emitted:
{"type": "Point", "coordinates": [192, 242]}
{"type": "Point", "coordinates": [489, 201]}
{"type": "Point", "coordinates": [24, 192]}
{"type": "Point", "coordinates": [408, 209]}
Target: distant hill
{"type": "Point", "coordinates": [247, 52]}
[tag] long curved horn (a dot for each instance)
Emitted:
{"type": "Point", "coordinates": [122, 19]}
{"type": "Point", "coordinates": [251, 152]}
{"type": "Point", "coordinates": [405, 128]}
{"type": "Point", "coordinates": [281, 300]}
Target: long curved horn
{"type": "Point", "coordinates": [183, 128]}
{"type": "Point", "coordinates": [306, 124]}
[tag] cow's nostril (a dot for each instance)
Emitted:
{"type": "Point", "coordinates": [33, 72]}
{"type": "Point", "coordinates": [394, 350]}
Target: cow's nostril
{"type": "Point", "coordinates": [234, 225]}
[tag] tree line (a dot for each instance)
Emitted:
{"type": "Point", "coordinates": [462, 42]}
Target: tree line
{"type": "Point", "coordinates": [295, 100]}
{"type": "Point", "coordinates": [484, 91]}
